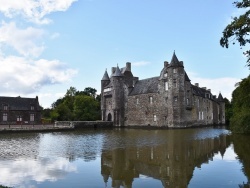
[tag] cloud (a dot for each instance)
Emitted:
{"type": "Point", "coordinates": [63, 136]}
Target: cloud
{"type": "Point", "coordinates": [22, 171]}
{"type": "Point", "coordinates": [225, 85]}
{"type": "Point", "coordinates": [19, 75]}
{"type": "Point", "coordinates": [22, 40]}
{"type": "Point", "coordinates": [140, 63]}
{"type": "Point", "coordinates": [55, 35]}
{"type": "Point", "coordinates": [33, 10]}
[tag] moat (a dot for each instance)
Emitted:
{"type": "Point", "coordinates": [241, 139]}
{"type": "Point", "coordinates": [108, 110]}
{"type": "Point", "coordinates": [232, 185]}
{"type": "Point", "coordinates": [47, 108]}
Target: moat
{"type": "Point", "coordinates": [200, 157]}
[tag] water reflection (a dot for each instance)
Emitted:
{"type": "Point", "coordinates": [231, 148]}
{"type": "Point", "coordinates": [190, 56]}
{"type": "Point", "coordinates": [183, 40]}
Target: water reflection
{"type": "Point", "coordinates": [172, 162]}
{"type": "Point", "coordinates": [123, 158]}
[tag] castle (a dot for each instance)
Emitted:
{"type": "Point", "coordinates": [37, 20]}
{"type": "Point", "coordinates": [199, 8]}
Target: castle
{"type": "Point", "coordinates": [168, 100]}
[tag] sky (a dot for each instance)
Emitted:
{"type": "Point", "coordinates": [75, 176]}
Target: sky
{"type": "Point", "coordinates": [47, 46]}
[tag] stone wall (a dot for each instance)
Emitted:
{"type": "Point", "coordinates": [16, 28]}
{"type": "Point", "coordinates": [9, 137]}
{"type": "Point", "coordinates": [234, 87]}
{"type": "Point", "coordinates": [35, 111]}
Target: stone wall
{"type": "Point", "coordinates": [84, 124]}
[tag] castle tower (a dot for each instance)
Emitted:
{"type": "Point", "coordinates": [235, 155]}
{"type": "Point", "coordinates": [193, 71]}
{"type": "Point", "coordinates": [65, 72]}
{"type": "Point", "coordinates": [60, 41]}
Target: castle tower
{"type": "Point", "coordinates": [118, 97]}
{"type": "Point", "coordinates": [176, 94]}
{"type": "Point", "coordinates": [104, 82]}
{"type": "Point", "coordinates": [221, 115]}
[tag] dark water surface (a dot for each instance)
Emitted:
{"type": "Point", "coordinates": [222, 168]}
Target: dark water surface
{"type": "Point", "coordinates": [207, 157]}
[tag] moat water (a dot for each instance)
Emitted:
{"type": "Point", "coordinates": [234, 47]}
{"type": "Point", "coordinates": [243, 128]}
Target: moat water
{"type": "Point", "coordinates": [207, 157]}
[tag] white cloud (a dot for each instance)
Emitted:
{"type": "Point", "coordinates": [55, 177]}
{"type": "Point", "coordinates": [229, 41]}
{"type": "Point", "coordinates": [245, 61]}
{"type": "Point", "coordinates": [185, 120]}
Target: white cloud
{"type": "Point", "coordinates": [22, 40]}
{"type": "Point", "coordinates": [22, 171]}
{"type": "Point", "coordinates": [19, 75]}
{"type": "Point", "coordinates": [140, 63]}
{"type": "Point", "coordinates": [55, 35]}
{"type": "Point", "coordinates": [33, 10]}
{"type": "Point", "coordinates": [225, 85]}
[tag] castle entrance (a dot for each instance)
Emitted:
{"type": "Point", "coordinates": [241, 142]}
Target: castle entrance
{"type": "Point", "coordinates": [109, 117]}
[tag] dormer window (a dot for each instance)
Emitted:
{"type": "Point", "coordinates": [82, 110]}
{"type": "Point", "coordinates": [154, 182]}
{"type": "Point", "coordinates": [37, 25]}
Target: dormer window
{"type": "Point", "coordinates": [5, 107]}
{"type": "Point", "coordinates": [174, 70]}
{"type": "Point", "coordinates": [166, 75]}
{"type": "Point", "coordinates": [32, 107]}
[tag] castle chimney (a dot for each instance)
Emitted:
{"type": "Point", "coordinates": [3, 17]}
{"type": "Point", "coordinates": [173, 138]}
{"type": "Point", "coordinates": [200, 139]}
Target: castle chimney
{"type": "Point", "coordinates": [166, 63]}
{"type": "Point", "coordinates": [209, 90]}
{"type": "Point", "coordinates": [196, 84]}
{"type": "Point", "coordinates": [128, 66]}
{"type": "Point", "coordinates": [181, 62]}
{"type": "Point", "coordinates": [113, 70]}
{"type": "Point", "coordinates": [204, 88]}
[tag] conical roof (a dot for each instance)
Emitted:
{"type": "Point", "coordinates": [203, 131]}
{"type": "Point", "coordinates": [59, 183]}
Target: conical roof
{"type": "Point", "coordinates": [117, 72]}
{"type": "Point", "coordinates": [220, 98]}
{"type": "Point", "coordinates": [175, 62]}
{"type": "Point", "coordinates": [105, 76]}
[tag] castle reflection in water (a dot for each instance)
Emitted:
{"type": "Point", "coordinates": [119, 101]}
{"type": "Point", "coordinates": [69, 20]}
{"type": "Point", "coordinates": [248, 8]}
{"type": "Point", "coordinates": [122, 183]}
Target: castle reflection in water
{"type": "Point", "coordinates": [172, 163]}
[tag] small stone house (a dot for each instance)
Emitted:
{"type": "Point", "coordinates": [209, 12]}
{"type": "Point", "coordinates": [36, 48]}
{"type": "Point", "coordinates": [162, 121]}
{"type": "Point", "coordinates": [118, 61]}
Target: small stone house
{"type": "Point", "coordinates": [167, 100]}
{"type": "Point", "coordinates": [19, 110]}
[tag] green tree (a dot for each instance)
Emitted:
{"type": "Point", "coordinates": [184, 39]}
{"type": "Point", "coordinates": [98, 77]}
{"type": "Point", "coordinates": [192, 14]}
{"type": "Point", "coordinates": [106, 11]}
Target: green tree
{"type": "Point", "coordinates": [240, 121]}
{"type": "Point", "coordinates": [86, 108]}
{"type": "Point", "coordinates": [228, 110]}
{"type": "Point", "coordinates": [238, 29]}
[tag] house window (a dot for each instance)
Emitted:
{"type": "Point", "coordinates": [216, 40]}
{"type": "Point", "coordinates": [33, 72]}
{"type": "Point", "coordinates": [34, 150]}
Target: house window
{"type": "Point", "coordinates": [32, 117]}
{"type": "Point", "coordinates": [187, 101]}
{"type": "Point", "coordinates": [19, 118]}
{"type": "Point", "coordinates": [174, 70]}
{"type": "Point", "coordinates": [166, 86]}
{"type": "Point", "coordinates": [150, 100]}
{"type": "Point", "coordinates": [198, 102]}
{"type": "Point", "coordinates": [154, 117]}
{"type": "Point", "coordinates": [212, 115]}
{"type": "Point", "coordinates": [202, 115]}
{"type": "Point", "coordinates": [165, 75]}
{"type": "Point", "coordinates": [5, 107]}
{"type": "Point", "coordinates": [32, 107]}
{"type": "Point", "coordinates": [5, 116]}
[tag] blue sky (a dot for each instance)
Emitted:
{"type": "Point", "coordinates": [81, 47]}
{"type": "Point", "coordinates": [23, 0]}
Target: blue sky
{"type": "Point", "coordinates": [46, 46]}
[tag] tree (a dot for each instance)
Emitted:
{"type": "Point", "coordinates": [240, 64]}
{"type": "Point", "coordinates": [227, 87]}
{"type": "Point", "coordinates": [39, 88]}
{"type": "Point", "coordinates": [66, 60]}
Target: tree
{"type": "Point", "coordinates": [228, 110]}
{"type": "Point", "coordinates": [240, 121]}
{"type": "Point", "coordinates": [239, 28]}
{"type": "Point", "coordinates": [86, 108]}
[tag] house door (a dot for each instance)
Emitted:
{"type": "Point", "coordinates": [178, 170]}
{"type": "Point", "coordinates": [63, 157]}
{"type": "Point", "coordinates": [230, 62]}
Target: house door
{"type": "Point", "coordinates": [109, 117]}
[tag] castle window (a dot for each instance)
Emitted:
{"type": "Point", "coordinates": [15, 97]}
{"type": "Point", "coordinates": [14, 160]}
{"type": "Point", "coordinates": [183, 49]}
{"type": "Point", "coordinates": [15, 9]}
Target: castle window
{"type": "Point", "coordinates": [5, 107]}
{"type": "Point", "coordinates": [175, 98]}
{"type": "Point", "coordinates": [166, 86]}
{"type": "Point", "coordinates": [165, 75]}
{"type": "Point", "coordinates": [212, 115]}
{"type": "Point", "coordinates": [150, 100]}
{"type": "Point", "coordinates": [32, 117]}
{"type": "Point", "coordinates": [174, 83]}
{"type": "Point", "coordinates": [199, 115]}
{"type": "Point", "coordinates": [5, 116]}
{"type": "Point", "coordinates": [174, 70]}
{"type": "Point", "coordinates": [202, 115]}
{"type": "Point", "coordinates": [198, 103]}
{"type": "Point", "coordinates": [137, 101]}
{"type": "Point", "coordinates": [155, 117]}
{"type": "Point", "coordinates": [32, 107]}
{"type": "Point", "coordinates": [187, 101]}
{"type": "Point", "coordinates": [107, 89]}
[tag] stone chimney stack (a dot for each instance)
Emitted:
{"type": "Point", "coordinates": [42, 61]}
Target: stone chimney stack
{"type": "Point", "coordinates": [196, 84]}
{"type": "Point", "coordinates": [166, 64]}
{"type": "Point", "coordinates": [128, 66]}
{"type": "Point", "coordinates": [204, 88]}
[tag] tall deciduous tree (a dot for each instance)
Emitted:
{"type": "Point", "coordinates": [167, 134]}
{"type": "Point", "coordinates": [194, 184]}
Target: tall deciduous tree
{"type": "Point", "coordinates": [239, 29]}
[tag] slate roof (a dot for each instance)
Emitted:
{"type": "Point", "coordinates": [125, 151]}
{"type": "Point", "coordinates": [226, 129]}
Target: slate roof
{"type": "Point", "coordinates": [19, 103]}
{"type": "Point", "coordinates": [220, 98]}
{"type": "Point", "coordinates": [105, 76]}
{"type": "Point", "coordinates": [198, 91]}
{"type": "Point", "coordinates": [149, 85]}
{"type": "Point", "coordinates": [117, 72]}
{"type": "Point", "coordinates": [175, 62]}
{"type": "Point", "coordinates": [186, 77]}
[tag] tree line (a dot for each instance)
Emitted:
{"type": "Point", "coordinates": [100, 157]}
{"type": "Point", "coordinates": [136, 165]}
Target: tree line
{"type": "Point", "coordinates": [75, 105]}
{"type": "Point", "coordinates": [238, 110]}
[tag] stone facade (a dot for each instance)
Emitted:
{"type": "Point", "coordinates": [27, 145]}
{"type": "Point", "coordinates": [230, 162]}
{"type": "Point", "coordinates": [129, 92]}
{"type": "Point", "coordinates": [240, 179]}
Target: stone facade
{"type": "Point", "coordinates": [168, 100]}
{"type": "Point", "coordinates": [18, 110]}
